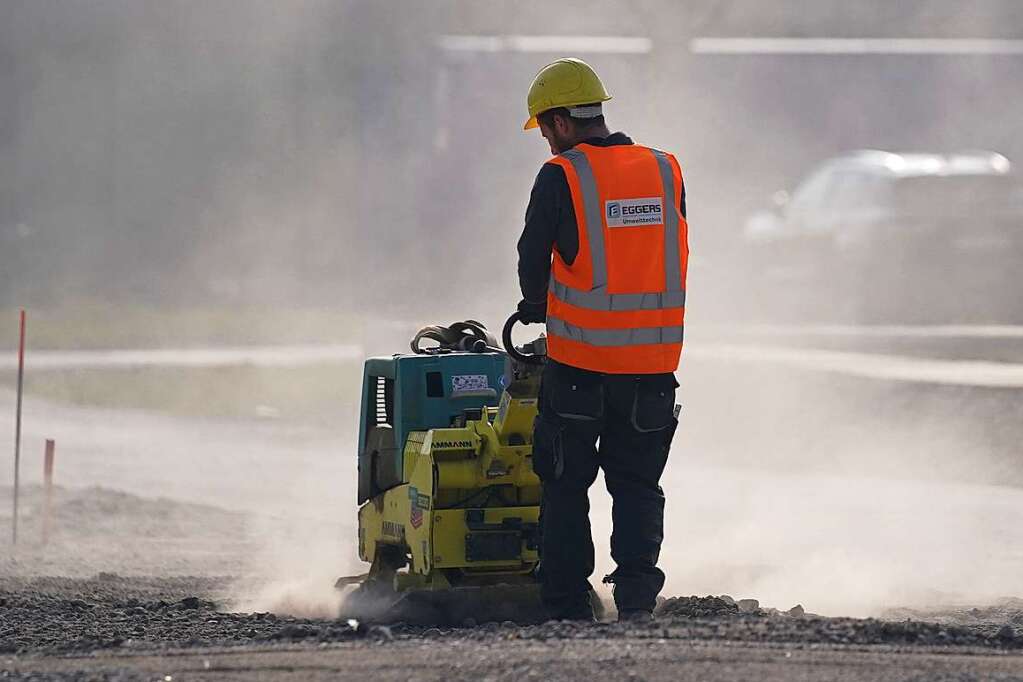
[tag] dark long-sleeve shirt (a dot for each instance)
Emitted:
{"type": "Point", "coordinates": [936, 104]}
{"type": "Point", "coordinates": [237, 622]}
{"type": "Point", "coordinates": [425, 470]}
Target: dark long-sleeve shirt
{"type": "Point", "coordinates": [550, 224]}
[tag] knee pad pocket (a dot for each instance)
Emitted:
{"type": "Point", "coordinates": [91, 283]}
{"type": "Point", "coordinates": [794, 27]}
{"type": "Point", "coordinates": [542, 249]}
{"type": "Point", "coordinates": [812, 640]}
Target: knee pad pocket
{"type": "Point", "coordinates": [548, 463]}
{"type": "Point", "coordinates": [563, 455]}
{"type": "Point", "coordinates": [653, 408]}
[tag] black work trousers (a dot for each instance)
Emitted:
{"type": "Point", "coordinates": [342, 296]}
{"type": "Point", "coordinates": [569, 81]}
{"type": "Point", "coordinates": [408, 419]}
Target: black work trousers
{"type": "Point", "coordinates": [622, 424]}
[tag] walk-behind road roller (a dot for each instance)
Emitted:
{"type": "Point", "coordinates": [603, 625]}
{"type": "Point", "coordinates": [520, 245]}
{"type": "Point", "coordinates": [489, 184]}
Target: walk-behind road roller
{"type": "Point", "coordinates": [449, 503]}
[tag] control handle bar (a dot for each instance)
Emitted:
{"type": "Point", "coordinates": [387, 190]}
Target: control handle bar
{"type": "Point", "coordinates": [532, 353]}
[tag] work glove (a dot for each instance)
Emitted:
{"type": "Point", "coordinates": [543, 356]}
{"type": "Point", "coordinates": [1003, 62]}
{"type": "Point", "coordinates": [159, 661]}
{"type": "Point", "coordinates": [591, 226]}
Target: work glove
{"type": "Point", "coordinates": [532, 313]}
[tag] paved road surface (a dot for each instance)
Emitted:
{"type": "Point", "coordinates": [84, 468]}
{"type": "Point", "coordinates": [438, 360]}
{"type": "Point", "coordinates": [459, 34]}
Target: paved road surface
{"type": "Point", "coordinates": [518, 661]}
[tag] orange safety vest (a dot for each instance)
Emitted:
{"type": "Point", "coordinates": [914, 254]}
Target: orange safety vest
{"type": "Point", "coordinates": [619, 307]}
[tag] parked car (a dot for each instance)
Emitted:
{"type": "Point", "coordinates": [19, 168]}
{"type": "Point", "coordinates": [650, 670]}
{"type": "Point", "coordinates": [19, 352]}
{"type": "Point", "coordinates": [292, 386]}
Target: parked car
{"type": "Point", "coordinates": [875, 236]}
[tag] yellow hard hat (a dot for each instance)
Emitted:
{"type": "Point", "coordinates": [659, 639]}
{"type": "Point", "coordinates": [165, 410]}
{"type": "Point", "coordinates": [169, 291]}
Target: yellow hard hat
{"type": "Point", "coordinates": [567, 82]}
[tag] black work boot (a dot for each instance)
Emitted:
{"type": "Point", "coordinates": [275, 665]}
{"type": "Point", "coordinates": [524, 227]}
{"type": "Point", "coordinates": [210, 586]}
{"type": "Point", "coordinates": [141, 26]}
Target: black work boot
{"type": "Point", "coordinates": [635, 616]}
{"type": "Point", "coordinates": [635, 597]}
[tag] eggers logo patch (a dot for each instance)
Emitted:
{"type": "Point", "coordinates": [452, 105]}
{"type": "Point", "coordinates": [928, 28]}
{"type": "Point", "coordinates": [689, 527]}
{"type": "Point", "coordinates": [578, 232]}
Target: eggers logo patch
{"type": "Point", "coordinates": [634, 212]}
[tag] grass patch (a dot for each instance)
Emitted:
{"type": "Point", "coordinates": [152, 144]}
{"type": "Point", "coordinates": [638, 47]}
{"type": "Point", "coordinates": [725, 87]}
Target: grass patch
{"type": "Point", "coordinates": [317, 392]}
{"type": "Point", "coordinates": [102, 325]}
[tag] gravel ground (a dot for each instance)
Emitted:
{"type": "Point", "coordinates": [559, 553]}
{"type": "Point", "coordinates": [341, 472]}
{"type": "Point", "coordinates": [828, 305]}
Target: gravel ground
{"type": "Point", "coordinates": [61, 615]}
{"type": "Point", "coordinates": [512, 660]}
{"type": "Point", "coordinates": [126, 628]}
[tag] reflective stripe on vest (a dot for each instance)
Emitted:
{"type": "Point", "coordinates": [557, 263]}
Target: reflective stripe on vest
{"type": "Point", "coordinates": [597, 298]}
{"type": "Point", "coordinates": [601, 300]}
{"type": "Point", "coordinates": [641, 336]}
{"type": "Point", "coordinates": [672, 273]}
{"type": "Point", "coordinates": [594, 217]}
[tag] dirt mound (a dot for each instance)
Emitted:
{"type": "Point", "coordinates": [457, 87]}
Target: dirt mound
{"type": "Point", "coordinates": [83, 512]}
{"type": "Point", "coordinates": [696, 607]}
{"type": "Point", "coordinates": [1002, 617]}
{"type": "Point", "coordinates": [98, 529]}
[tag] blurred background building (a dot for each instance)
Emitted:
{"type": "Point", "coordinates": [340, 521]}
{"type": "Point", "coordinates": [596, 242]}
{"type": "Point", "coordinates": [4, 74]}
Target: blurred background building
{"type": "Point", "coordinates": [333, 153]}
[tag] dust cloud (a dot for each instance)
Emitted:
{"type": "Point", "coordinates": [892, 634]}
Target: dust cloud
{"type": "Point", "coordinates": [294, 569]}
{"type": "Point", "coordinates": [330, 172]}
{"type": "Point", "coordinates": [843, 495]}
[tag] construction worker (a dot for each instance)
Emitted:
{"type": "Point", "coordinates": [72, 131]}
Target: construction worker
{"type": "Point", "coordinates": [602, 261]}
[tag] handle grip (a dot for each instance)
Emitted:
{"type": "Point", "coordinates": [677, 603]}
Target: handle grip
{"type": "Point", "coordinates": [509, 346]}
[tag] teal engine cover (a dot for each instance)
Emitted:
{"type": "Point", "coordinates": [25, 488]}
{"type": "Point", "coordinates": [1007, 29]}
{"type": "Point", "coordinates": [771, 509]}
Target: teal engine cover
{"type": "Point", "coordinates": [406, 393]}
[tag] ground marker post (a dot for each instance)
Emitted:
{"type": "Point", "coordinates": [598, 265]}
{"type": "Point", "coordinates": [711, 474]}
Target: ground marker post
{"type": "Point", "coordinates": [17, 424]}
{"type": "Point", "coordinates": [48, 488]}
